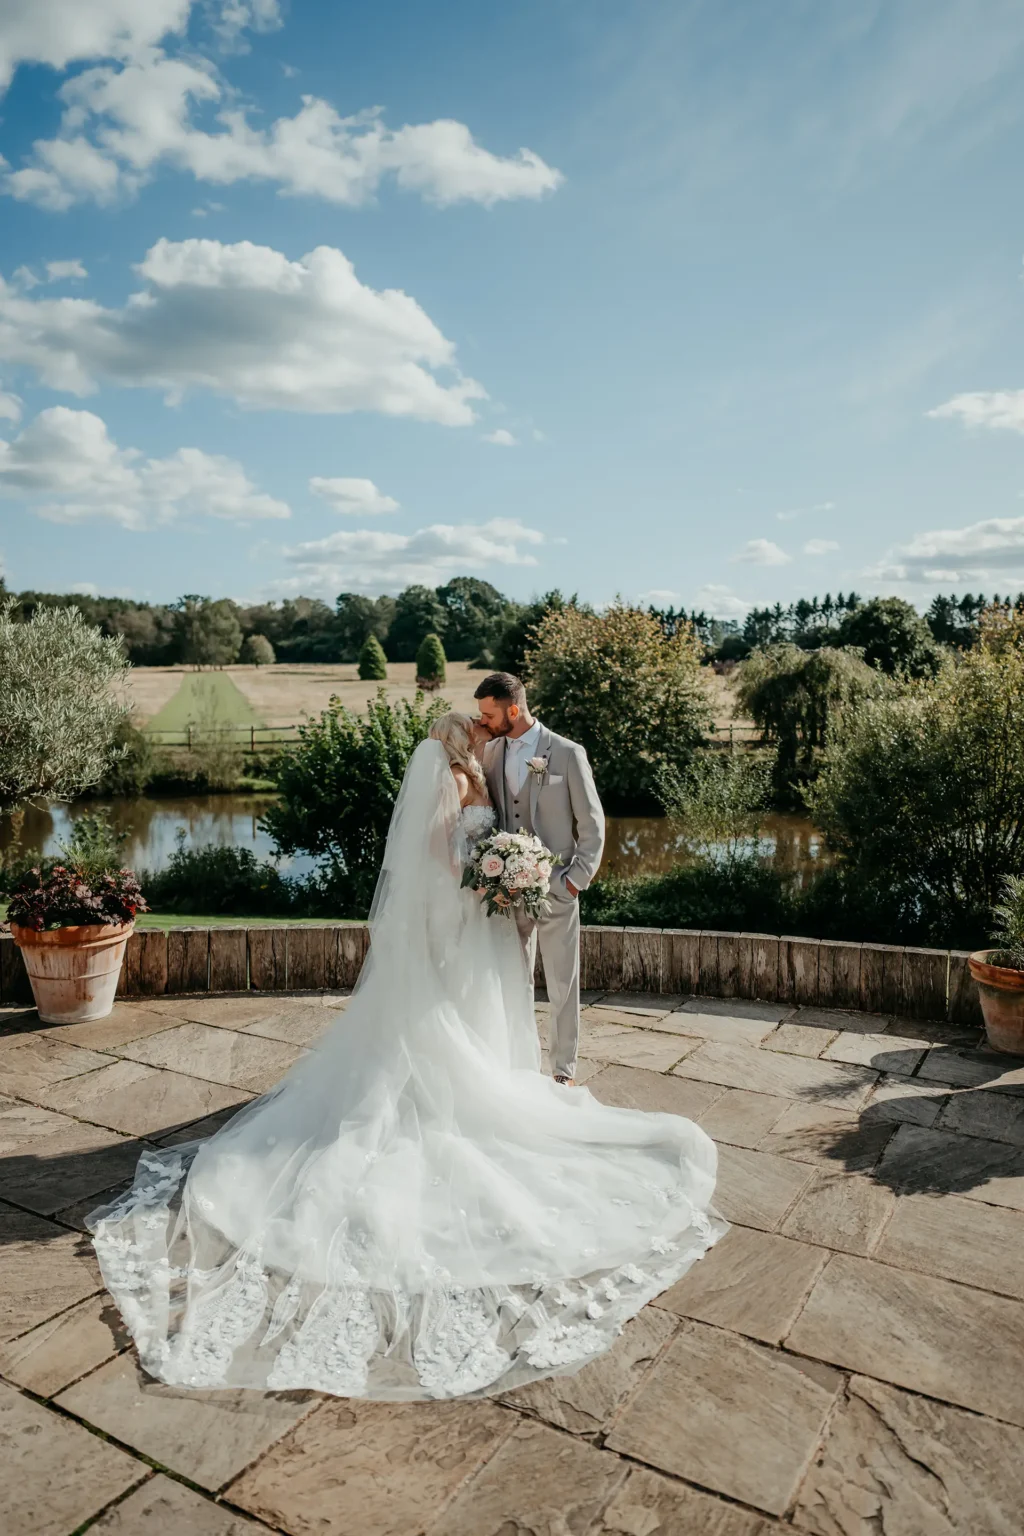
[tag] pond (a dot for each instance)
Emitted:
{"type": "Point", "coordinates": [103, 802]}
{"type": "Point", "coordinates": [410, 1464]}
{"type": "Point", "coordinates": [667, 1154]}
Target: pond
{"type": "Point", "coordinates": [636, 844]}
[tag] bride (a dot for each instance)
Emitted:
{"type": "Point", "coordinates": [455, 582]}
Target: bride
{"type": "Point", "coordinates": [416, 1210]}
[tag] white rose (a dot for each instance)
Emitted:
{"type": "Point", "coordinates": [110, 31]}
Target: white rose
{"type": "Point", "coordinates": [492, 865]}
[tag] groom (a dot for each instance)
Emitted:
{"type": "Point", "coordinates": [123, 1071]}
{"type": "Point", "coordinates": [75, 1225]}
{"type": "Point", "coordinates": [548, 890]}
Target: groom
{"type": "Point", "coordinates": [542, 783]}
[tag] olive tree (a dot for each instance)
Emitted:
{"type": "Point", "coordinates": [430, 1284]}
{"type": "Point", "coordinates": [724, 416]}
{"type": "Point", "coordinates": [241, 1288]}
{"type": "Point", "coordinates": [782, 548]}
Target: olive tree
{"type": "Point", "coordinates": [634, 697]}
{"type": "Point", "coordinates": [59, 711]}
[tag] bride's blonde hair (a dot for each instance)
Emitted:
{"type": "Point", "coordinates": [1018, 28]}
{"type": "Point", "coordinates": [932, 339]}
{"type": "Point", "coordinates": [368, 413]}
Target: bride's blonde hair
{"type": "Point", "coordinates": [455, 733]}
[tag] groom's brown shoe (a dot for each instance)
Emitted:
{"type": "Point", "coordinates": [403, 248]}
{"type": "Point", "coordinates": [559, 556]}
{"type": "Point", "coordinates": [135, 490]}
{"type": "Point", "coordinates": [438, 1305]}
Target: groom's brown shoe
{"type": "Point", "coordinates": [566, 1082]}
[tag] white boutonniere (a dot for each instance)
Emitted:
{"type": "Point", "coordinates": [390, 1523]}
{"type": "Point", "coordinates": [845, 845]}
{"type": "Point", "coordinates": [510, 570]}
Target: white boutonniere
{"type": "Point", "coordinates": [538, 766]}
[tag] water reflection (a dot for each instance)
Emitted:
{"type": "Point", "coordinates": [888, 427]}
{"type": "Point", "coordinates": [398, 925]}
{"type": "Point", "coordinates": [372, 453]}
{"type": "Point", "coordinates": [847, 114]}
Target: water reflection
{"type": "Point", "coordinates": [636, 844]}
{"type": "Point", "coordinates": [153, 825]}
{"type": "Point", "coordinates": [647, 845]}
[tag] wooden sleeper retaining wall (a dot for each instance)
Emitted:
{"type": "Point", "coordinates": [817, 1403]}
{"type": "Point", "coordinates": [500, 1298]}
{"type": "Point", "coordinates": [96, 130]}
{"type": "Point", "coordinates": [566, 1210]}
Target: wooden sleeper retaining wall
{"type": "Point", "coordinates": [933, 984]}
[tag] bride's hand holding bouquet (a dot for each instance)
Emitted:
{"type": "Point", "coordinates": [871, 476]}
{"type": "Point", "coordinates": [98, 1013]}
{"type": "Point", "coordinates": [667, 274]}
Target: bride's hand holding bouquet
{"type": "Point", "coordinates": [510, 870]}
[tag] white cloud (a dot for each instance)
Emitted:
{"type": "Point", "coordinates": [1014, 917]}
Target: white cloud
{"type": "Point", "coordinates": [721, 602]}
{"type": "Point", "coordinates": [352, 495]}
{"type": "Point", "coordinates": [372, 560]}
{"type": "Point", "coordinates": [760, 552]}
{"type": "Point", "coordinates": [68, 469]}
{"type": "Point", "coordinates": [123, 120]}
{"type": "Point", "coordinates": [244, 321]}
{"type": "Point", "coordinates": [56, 272]}
{"type": "Point", "coordinates": [10, 407]}
{"type": "Point", "coordinates": [820, 547]}
{"type": "Point", "coordinates": [984, 551]}
{"type": "Point", "coordinates": [659, 597]}
{"type": "Point", "coordinates": [795, 512]}
{"type": "Point", "coordinates": [233, 17]}
{"type": "Point", "coordinates": [1002, 409]}
{"type": "Point", "coordinates": [86, 589]}
{"type": "Point", "coordinates": [60, 32]}
{"type": "Point", "coordinates": [503, 438]}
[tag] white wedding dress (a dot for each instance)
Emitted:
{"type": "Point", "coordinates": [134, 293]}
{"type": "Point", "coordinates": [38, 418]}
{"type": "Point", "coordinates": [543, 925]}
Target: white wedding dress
{"type": "Point", "coordinates": [416, 1210]}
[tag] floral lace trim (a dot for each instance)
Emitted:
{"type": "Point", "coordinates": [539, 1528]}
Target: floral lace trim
{"type": "Point", "coordinates": [460, 1341]}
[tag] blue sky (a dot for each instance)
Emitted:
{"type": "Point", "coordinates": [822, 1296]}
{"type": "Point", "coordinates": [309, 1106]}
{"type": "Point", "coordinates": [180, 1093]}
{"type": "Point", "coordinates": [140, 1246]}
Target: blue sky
{"type": "Point", "coordinates": [716, 301]}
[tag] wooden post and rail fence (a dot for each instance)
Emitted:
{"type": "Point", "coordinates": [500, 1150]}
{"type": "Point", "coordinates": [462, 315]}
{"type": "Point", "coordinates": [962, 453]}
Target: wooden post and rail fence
{"type": "Point", "coordinates": [925, 984]}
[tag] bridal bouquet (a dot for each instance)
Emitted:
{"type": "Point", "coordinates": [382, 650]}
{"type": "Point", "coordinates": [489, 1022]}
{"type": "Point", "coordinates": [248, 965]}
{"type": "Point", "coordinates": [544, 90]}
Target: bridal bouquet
{"type": "Point", "coordinates": [511, 869]}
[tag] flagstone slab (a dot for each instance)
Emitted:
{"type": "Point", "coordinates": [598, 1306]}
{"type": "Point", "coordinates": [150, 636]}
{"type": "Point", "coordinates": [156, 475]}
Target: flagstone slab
{"type": "Point", "coordinates": [906, 1466]}
{"type": "Point", "coordinates": [49, 1161]}
{"type": "Point", "coordinates": [207, 1437]}
{"type": "Point", "coordinates": [298, 1026]}
{"type": "Point", "coordinates": [799, 1039]}
{"type": "Point", "coordinates": [739, 1008]}
{"type": "Point", "coordinates": [226, 1056]}
{"type": "Point", "coordinates": [756, 1189]}
{"type": "Point", "coordinates": [56, 1475]}
{"type": "Point", "coordinates": [646, 1004]}
{"type": "Point", "coordinates": [165, 1508]}
{"type": "Point", "coordinates": [972, 1069]}
{"type": "Point", "coordinates": [127, 1022]}
{"type": "Point", "coordinates": [838, 1020]}
{"type": "Point", "coordinates": [905, 1101]}
{"type": "Point", "coordinates": [75, 1215]}
{"type": "Point", "coordinates": [994, 1115]}
{"type": "Point", "coordinates": [43, 1269]}
{"type": "Point", "coordinates": [828, 1137]}
{"type": "Point", "coordinates": [730, 1415]}
{"type": "Point", "coordinates": [539, 1482]}
{"type": "Point", "coordinates": [139, 1100]}
{"type": "Point", "coordinates": [883, 1052]}
{"type": "Point", "coordinates": [933, 1336]}
{"type": "Point", "coordinates": [787, 1077]}
{"type": "Point", "coordinates": [201, 1130]}
{"type": "Point", "coordinates": [229, 1012]}
{"type": "Point", "coordinates": [752, 1282]}
{"type": "Point", "coordinates": [958, 1239]}
{"type": "Point", "coordinates": [586, 1403]}
{"type": "Point", "coordinates": [649, 1505]}
{"type": "Point", "coordinates": [726, 1027]}
{"type": "Point", "coordinates": [637, 1088]}
{"type": "Point", "coordinates": [841, 1211]}
{"type": "Point", "coordinates": [379, 1469]}
{"type": "Point", "coordinates": [919, 1161]}
{"type": "Point", "coordinates": [632, 1047]}
{"type": "Point", "coordinates": [740, 1117]}
{"type": "Point", "coordinates": [65, 1347]}
{"type": "Point", "coordinates": [29, 1064]}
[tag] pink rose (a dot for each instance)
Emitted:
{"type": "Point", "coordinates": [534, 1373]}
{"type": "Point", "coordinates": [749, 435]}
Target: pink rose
{"type": "Point", "coordinates": [492, 866]}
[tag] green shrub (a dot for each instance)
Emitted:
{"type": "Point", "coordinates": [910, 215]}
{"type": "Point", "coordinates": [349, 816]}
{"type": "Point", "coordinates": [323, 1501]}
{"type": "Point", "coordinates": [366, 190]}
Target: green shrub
{"type": "Point", "coordinates": [130, 771]}
{"type": "Point", "coordinates": [337, 786]}
{"type": "Point", "coordinates": [921, 791]}
{"type": "Point", "coordinates": [373, 665]}
{"type": "Point", "coordinates": [257, 651]}
{"type": "Point", "coordinates": [430, 663]}
{"type": "Point", "coordinates": [215, 880]}
{"type": "Point", "coordinates": [735, 895]}
{"type": "Point", "coordinates": [635, 698]}
{"type": "Point", "coordinates": [1009, 915]}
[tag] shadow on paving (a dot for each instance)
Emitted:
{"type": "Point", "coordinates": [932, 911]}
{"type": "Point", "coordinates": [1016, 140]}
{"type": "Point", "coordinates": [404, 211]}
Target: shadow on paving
{"type": "Point", "coordinates": [58, 1192]}
{"type": "Point", "coordinates": [926, 1154]}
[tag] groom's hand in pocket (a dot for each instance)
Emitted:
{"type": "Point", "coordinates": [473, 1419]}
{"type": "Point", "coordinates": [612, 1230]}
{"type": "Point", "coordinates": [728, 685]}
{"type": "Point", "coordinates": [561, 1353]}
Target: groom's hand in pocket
{"type": "Point", "coordinates": [571, 889]}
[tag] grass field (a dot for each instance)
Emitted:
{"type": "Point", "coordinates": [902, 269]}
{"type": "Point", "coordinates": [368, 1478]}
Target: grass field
{"type": "Point", "coordinates": [279, 695]}
{"type": "Point", "coordinates": [172, 698]}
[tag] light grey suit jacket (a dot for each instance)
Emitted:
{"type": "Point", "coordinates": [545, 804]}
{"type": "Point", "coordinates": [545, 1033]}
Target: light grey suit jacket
{"type": "Point", "coordinates": [563, 806]}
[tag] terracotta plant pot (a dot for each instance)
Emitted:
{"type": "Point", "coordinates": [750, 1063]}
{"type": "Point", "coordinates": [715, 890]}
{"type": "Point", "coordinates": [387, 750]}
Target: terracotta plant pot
{"type": "Point", "coordinates": [73, 971]}
{"type": "Point", "coordinates": [1002, 1001]}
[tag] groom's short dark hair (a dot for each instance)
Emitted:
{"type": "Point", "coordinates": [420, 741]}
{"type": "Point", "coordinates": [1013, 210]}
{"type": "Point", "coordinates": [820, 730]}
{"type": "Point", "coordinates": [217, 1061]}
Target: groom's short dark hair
{"type": "Point", "coordinates": [503, 687]}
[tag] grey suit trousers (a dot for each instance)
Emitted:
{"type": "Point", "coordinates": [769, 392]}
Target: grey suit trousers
{"type": "Point", "coordinates": [558, 937]}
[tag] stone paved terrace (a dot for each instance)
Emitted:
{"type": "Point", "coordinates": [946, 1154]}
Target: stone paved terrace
{"type": "Point", "coordinates": [847, 1362]}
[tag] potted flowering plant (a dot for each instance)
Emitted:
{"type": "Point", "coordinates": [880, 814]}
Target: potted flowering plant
{"type": "Point", "coordinates": [999, 973]}
{"type": "Point", "coordinates": [71, 919]}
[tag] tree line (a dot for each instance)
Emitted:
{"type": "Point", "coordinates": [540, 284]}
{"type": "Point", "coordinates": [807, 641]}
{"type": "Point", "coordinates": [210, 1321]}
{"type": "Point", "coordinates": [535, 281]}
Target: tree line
{"type": "Point", "coordinates": [477, 623]}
